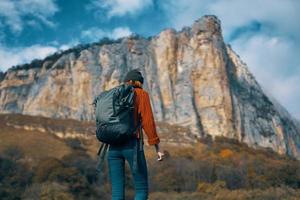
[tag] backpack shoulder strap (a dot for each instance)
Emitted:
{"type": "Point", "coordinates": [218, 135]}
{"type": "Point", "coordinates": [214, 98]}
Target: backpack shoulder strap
{"type": "Point", "coordinates": [101, 153]}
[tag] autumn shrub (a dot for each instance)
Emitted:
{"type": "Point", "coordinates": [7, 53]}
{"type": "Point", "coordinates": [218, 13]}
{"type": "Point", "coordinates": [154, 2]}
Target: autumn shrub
{"type": "Point", "coordinates": [85, 164]}
{"type": "Point", "coordinates": [225, 153]}
{"type": "Point", "coordinates": [179, 196]}
{"type": "Point", "coordinates": [218, 192]}
{"type": "Point", "coordinates": [13, 153]}
{"type": "Point", "coordinates": [211, 187]}
{"type": "Point", "coordinates": [233, 177]}
{"type": "Point", "coordinates": [45, 167]}
{"type": "Point", "coordinates": [165, 176]}
{"type": "Point", "coordinates": [46, 191]}
{"type": "Point", "coordinates": [14, 178]}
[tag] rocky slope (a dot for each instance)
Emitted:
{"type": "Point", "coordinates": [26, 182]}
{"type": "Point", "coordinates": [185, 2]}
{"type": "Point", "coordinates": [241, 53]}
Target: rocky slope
{"type": "Point", "coordinates": [194, 80]}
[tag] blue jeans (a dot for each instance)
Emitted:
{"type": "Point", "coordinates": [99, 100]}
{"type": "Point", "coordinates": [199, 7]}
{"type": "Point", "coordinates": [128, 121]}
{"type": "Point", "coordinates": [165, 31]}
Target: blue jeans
{"type": "Point", "coordinates": [117, 154]}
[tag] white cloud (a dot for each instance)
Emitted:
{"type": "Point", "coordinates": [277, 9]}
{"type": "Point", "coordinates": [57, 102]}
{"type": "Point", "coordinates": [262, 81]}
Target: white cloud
{"type": "Point", "coordinates": [20, 55]}
{"type": "Point", "coordinates": [280, 14]}
{"type": "Point", "coordinates": [120, 32]}
{"type": "Point", "coordinates": [65, 47]}
{"type": "Point", "coordinates": [275, 63]}
{"type": "Point", "coordinates": [94, 34]}
{"type": "Point", "coordinates": [10, 57]}
{"type": "Point", "coordinates": [235, 13]}
{"type": "Point", "coordinates": [121, 7]}
{"type": "Point", "coordinates": [12, 13]}
{"type": "Point", "coordinates": [184, 13]}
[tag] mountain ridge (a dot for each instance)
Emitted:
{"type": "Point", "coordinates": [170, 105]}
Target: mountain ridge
{"type": "Point", "coordinates": [193, 77]}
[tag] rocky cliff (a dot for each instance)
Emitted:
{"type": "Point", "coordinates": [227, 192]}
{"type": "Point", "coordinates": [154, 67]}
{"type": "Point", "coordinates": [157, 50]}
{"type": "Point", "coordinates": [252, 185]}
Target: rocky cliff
{"type": "Point", "coordinates": [194, 80]}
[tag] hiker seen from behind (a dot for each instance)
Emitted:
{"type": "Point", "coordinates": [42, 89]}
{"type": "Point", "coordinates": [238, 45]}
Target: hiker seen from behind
{"type": "Point", "coordinates": [122, 113]}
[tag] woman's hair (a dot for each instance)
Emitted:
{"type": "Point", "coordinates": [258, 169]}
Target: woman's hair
{"type": "Point", "coordinates": [135, 83]}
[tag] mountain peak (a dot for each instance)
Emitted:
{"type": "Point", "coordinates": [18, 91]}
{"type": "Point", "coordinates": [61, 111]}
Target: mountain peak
{"type": "Point", "coordinates": [207, 23]}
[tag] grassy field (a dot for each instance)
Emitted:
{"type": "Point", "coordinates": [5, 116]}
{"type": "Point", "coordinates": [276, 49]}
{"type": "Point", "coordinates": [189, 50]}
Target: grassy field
{"type": "Point", "coordinates": [33, 144]}
{"type": "Point", "coordinates": [43, 158]}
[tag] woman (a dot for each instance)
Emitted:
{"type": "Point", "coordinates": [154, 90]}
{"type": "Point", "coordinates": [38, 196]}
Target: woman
{"type": "Point", "coordinates": [132, 151]}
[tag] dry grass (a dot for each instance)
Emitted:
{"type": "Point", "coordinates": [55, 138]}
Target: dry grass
{"type": "Point", "coordinates": [34, 144]}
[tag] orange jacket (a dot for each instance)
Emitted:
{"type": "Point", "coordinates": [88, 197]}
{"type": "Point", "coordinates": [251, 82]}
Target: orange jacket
{"type": "Point", "coordinates": [143, 107]}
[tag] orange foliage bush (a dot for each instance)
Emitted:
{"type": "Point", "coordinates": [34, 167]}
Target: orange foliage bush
{"type": "Point", "coordinates": [225, 153]}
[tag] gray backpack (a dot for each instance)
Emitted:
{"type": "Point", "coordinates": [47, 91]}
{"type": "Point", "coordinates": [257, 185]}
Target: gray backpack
{"type": "Point", "coordinates": [114, 111]}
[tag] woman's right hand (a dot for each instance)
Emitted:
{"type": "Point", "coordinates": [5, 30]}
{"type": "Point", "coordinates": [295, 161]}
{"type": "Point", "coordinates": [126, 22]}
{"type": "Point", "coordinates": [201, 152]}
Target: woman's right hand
{"type": "Point", "coordinates": [160, 155]}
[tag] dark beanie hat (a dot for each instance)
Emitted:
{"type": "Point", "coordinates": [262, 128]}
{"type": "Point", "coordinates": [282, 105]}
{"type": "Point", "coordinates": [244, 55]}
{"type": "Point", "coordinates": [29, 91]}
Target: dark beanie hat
{"type": "Point", "coordinates": [134, 75]}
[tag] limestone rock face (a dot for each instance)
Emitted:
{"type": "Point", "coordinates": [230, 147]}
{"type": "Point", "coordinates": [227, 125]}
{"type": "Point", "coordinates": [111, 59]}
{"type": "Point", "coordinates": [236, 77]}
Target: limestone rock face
{"type": "Point", "coordinates": [194, 80]}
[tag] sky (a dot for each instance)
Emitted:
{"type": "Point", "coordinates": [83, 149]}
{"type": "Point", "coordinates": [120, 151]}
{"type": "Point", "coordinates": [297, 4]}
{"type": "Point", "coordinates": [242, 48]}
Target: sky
{"type": "Point", "coordinates": [265, 33]}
